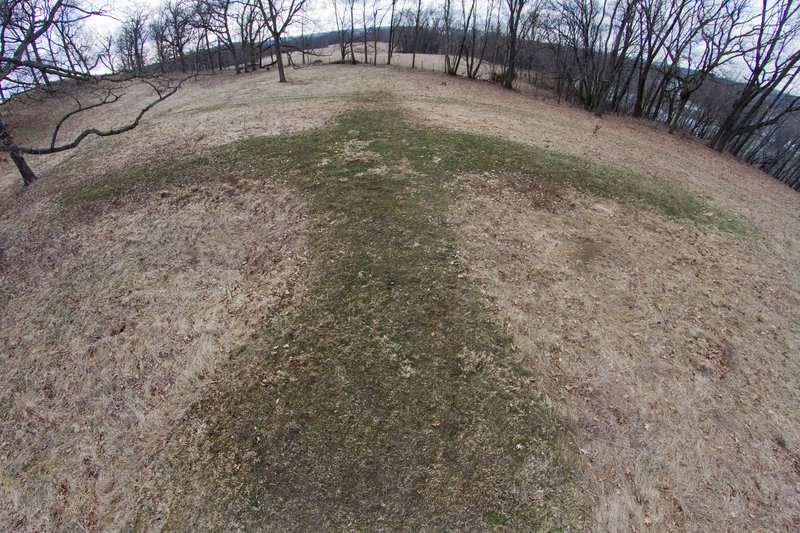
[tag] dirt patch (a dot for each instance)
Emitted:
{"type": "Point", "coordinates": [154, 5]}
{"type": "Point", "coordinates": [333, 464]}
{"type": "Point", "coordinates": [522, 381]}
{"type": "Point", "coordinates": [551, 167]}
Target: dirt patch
{"type": "Point", "coordinates": [112, 326]}
{"type": "Point", "coordinates": [669, 349]}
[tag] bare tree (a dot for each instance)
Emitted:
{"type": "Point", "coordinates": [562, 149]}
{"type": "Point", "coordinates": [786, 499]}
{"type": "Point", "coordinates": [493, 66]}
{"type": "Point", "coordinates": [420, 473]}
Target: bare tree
{"type": "Point", "coordinates": [658, 18]}
{"type": "Point", "coordinates": [456, 36]}
{"type": "Point", "coordinates": [773, 64]}
{"type": "Point", "coordinates": [599, 36]}
{"type": "Point", "coordinates": [365, 33]}
{"type": "Point", "coordinates": [514, 14]}
{"type": "Point", "coordinates": [376, 26]}
{"type": "Point", "coordinates": [219, 17]}
{"type": "Point", "coordinates": [251, 27]}
{"type": "Point", "coordinates": [417, 20]}
{"type": "Point", "coordinates": [345, 27]}
{"type": "Point", "coordinates": [201, 20]}
{"type": "Point", "coordinates": [53, 28]}
{"type": "Point", "coordinates": [393, 19]}
{"type": "Point", "coordinates": [279, 15]}
{"type": "Point", "coordinates": [179, 24]}
{"type": "Point", "coordinates": [131, 41]}
{"type": "Point", "coordinates": [477, 39]}
{"type": "Point", "coordinates": [714, 43]}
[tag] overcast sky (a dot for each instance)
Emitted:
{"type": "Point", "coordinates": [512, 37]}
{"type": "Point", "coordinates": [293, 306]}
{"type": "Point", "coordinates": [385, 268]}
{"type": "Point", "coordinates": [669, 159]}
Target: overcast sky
{"type": "Point", "coordinates": [319, 12]}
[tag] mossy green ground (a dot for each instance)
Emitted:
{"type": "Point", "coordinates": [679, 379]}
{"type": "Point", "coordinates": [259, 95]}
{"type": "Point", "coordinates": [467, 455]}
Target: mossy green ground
{"type": "Point", "coordinates": [386, 397]}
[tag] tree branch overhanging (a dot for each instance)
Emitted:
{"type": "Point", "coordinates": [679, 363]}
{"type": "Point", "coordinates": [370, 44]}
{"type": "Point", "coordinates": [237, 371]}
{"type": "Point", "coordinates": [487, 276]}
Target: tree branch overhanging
{"type": "Point", "coordinates": [52, 149]}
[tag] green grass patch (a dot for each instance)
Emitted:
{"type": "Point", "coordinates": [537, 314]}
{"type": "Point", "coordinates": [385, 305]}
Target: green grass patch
{"type": "Point", "coordinates": [184, 171]}
{"type": "Point", "coordinates": [452, 152]}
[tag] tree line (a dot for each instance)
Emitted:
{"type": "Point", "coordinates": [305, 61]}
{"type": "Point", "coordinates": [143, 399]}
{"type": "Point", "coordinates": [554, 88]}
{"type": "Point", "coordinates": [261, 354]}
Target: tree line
{"type": "Point", "coordinates": [723, 70]}
{"type": "Point", "coordinates": [188, 35]}
{"type": "Point", "coordinates": [46, 48]}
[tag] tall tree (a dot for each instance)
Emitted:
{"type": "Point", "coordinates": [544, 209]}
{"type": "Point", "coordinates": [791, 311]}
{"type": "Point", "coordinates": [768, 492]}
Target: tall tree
{"type": "Point", "coordinates": [773, 63]}
{"type": "Point", "coordinates": [417, 20]}
{"type": "Point", "coordinates": [392, 31]}
{"type": "Point", "coordinates": [179, 24]}
{"type": "Point", "coordinates": [477, 39]}
{"type": "Point", "coordinates": [514, 14]}
{"type": "Point", "coordinates": [279, 15]}
{"type": "Point", "coordinates": [715, 41]}
{"type": "Point", "coordinates": [132, 39]}
{"type": "Point", "coordinates": [345, 27]}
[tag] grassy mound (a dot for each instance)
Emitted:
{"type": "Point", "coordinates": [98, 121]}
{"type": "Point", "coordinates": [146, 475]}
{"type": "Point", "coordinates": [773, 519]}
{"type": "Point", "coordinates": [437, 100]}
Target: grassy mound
{"type": "Point", "coordinates": [388, 394]}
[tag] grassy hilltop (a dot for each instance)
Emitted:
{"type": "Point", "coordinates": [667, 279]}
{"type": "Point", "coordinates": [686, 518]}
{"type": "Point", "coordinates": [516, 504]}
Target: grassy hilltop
{"type": "Point", "coordinates": [382, 299]}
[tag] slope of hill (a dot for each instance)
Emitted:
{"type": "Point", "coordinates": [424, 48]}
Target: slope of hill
{"type": "Point", "coordinates": [374, 298]}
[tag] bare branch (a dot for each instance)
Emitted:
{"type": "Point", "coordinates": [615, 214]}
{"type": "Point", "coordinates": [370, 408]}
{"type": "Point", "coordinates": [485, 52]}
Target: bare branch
{"type": "Point", "coordinates": [14, 148]}
{"type": "Point", "coordinates": [110, 98]}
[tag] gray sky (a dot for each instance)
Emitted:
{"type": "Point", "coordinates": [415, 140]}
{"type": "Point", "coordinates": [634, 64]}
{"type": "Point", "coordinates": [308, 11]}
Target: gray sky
{"type": "Point", "coordinates": [319, 12]}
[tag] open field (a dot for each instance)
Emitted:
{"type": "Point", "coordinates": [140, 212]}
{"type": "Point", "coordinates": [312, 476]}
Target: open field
{"type": "Point", "coordinates": [375, 298]}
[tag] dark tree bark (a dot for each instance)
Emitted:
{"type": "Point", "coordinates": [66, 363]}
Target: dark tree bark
{"type": "Point", "coordinates": [28, 176]}
{"type": "Point", "coordinates": [515, 8]}
{"type": "Point", "coordinates": [392, 24]}
{"type": "Point", "coordinates": [416, 34]}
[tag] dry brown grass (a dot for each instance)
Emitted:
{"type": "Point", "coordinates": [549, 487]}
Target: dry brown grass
{"type": "Point", "coordinates": [113, 324]}
{"type": "Point", "coordinates": [673, 351]}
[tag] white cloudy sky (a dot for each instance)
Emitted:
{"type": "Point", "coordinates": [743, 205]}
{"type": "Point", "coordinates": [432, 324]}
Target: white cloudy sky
{"type": "Point", "coordinates": [319, 11]}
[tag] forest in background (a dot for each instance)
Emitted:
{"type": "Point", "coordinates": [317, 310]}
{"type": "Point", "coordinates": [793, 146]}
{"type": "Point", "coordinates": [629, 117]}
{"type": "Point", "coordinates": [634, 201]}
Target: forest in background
{"type": "Point", "coordinates": [723, 70]}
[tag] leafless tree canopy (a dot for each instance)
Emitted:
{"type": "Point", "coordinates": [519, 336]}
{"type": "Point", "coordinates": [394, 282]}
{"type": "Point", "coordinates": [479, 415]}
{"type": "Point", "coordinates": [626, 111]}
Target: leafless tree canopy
{"type": "Point", "coordinates": [720, 69]}
{"type": "Point", "coordinates": [43, 47]}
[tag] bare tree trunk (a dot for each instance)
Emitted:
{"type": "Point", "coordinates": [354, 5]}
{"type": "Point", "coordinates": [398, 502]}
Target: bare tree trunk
{"type": "Point", "coordinates": [676, 117]}
{"type": "Point", "coordinates": [366, 36]}
{"type": "Point", "coordinates": [28, 176]}
{"type": "Point", "coordinates": [391, 33]}
{"type": "Point", "coordinates": [515, 8]}
{"type": "Point", "coordinates": [416, 34]}
{"type": "Point", "coordinates": [352, 31]}
{"type": "Point", "coordinates": [210, 55]}
{"type": "Point", "coordinates": [279, 59]}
